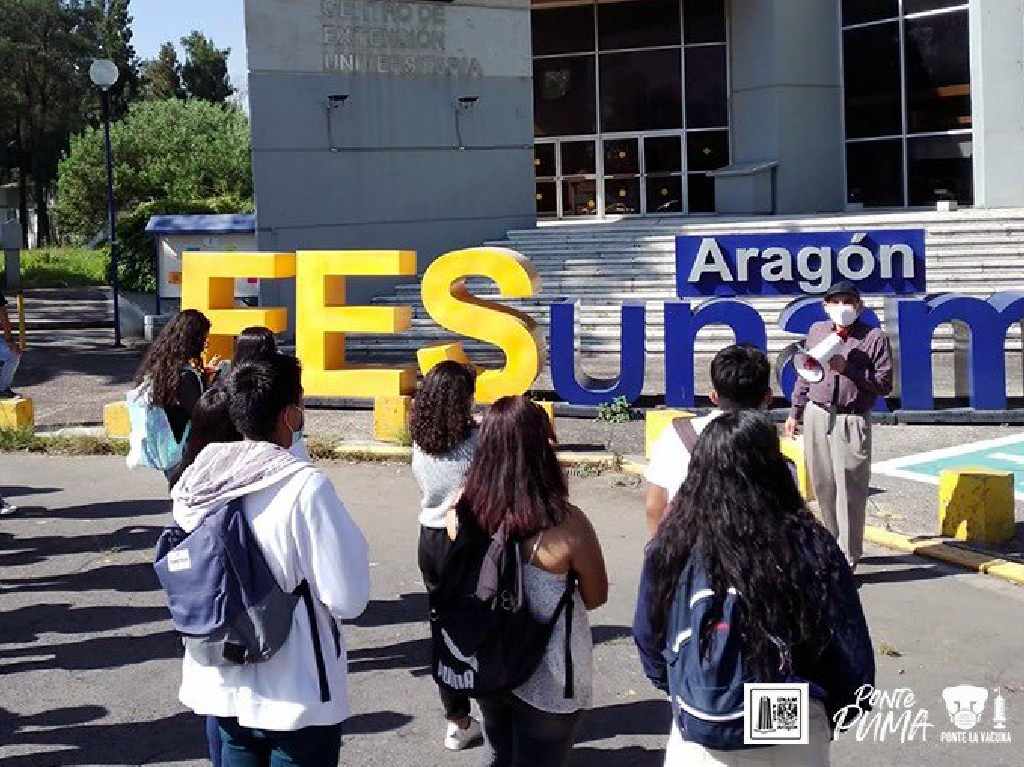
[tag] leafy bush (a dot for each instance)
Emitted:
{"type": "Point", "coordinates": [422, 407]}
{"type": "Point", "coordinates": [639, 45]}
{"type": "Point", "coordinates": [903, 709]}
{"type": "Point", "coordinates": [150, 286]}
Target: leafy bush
{"type": "Point", "coordinates": [135, 247]}
{"type": "Point", "coordinates": [616, 411]}
{"type": "Point", "coordinates": [162, 150]}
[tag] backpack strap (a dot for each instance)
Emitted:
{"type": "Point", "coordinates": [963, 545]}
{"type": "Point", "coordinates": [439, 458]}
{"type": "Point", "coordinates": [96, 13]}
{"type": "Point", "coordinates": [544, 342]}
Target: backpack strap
{"type": "Point", "coordinates": [570, 601]}
{"type": "Point", "coordinates": [314, 630]}
{"type": "Point", "coordinates": [688, 435]}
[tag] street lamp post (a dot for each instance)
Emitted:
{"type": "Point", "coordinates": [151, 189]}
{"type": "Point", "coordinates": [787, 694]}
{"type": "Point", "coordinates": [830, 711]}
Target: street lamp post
{"type": "Point", "coordinates": [104, 74]}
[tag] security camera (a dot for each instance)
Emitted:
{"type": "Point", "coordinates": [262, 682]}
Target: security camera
{"type": "Point", "coordinates": [467, 101]}
{"type": "Point", "coordinates": [337, 99]}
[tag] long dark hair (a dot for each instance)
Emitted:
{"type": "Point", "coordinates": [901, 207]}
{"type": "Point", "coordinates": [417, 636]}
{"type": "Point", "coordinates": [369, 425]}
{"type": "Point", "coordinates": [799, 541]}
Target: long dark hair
{"type": "Point", "coordinates": [181, 343]}
{"type": "Point", "coordinates": [441, 417]}
{"type": "Point", "coordinates": [739, 512]}
{"type": "Point", "coordinates": [515, 477]}
{"type": "Point", "coordinates": [210, 423]}
{"type": "Point", "coordinates": [254, 344]}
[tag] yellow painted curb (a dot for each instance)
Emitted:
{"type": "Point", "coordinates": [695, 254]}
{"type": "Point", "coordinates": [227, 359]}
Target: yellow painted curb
{"type": "Point", "coordinates": [934, 548]}
{"type": "Point", "coordinates": [372, 450]}
{"type": "Point", "coordinates": [595, 460]}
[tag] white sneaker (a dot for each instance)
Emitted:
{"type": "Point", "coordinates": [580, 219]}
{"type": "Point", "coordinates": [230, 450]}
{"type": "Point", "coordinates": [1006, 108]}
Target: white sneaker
{"type": "Point", "coordinates": [7, 509]}
{"type": "Point", "coordinates": [457, 738]}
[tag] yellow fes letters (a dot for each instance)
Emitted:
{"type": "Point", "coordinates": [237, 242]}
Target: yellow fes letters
{"type": "Point", "coordinates": [324, 319]}
{"type": "Point", "coordinates": [208, 284]}
{"type": "Point", "coordinates": [452, 306]}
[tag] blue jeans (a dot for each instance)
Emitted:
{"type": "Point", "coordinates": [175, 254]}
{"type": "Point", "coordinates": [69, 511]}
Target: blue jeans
{"type": "Point", "coordinates": [308, 747]}
{"type": "Point", "coordinates": [8, 365]}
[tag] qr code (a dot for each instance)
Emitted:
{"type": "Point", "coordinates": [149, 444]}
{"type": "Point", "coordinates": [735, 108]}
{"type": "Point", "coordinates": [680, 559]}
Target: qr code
{"type": "Point", "coordinates": [775, 713]}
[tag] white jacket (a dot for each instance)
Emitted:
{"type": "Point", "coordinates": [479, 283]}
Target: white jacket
{"type": "Point", "coordinates": [305, 533]}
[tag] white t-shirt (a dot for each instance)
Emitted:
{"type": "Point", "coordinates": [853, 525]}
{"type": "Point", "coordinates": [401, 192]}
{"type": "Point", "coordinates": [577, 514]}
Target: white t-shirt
{"type": "Point", "coordinates": [669, 458]}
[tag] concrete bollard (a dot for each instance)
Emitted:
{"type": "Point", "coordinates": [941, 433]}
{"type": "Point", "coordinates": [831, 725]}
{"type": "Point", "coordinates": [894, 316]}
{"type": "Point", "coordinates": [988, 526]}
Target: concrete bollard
{"type": "Point", "coordinates": [976, 505]}
{"type": "Point", "coordinates": [793, 449]}
{"type": "Point", "coordinates": [116, 423]}
{"type": "Point", "coordinates": [655, 421]}
{"type": "Point", "coordinates": [17, 413]}
{"type": "Point", "coordinates": [391, 418]}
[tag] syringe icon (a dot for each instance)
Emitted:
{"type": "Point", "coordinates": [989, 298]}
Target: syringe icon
{"type": "Point", "coordinates": [999, 711]}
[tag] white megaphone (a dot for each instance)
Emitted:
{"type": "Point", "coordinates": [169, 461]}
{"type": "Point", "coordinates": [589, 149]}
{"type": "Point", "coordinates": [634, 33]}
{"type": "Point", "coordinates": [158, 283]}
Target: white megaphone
{"type": "Point", "coordinates": [810, 363]}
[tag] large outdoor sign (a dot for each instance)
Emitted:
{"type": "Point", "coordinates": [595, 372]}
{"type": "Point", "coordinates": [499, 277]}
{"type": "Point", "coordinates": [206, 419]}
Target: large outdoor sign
{"type": "Point", "coordinates": [798, 263]}
{"type": "Point", "coordinates": [324, 319]}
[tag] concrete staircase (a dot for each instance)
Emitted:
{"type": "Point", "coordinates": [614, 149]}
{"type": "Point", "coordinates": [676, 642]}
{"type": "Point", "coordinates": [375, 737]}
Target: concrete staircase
{"type": "Point", "coordinates": [604, 264]}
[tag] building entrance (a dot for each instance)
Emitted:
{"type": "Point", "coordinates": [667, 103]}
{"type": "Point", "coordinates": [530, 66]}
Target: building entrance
{"type": "Point", "coordinates": [630, 106]}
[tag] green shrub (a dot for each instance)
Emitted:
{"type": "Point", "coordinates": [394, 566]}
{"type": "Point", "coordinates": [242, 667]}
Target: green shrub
{"type": "Point", "coordinates": [616, 411]}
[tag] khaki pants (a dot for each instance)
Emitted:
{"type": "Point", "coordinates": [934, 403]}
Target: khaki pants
{"type": "Point", "coordinates": [839, 462]}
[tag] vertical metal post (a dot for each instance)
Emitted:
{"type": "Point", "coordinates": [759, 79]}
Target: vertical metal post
{"type": "Point", "coordinates": [111, 227]}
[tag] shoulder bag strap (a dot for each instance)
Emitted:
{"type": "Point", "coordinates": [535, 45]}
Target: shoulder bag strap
{"type": "Point", "coordinates": [314, 630]}
{"type": "Point", "coordinates": [688, 435]}
{"type": "Point", "coordinates": [570, 601]}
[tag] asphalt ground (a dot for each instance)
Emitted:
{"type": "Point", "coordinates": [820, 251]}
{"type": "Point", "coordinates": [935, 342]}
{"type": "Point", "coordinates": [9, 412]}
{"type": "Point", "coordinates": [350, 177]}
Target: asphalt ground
{"type": "Point", "coordinates": [90, 666]}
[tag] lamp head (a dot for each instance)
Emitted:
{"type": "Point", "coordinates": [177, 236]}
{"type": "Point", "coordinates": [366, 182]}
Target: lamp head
{"type": "Point", "coordinates": [103, 73]}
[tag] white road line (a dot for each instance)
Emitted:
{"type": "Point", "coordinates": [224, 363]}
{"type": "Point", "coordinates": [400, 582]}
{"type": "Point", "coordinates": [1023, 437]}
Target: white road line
{"type": "Point", "coordinates": [947, 452]}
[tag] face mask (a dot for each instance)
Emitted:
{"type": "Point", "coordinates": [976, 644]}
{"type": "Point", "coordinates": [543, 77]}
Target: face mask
{"type": "Point", "coordinates": [297, 433]}
{"type": "Point", "coordinates": [842, 315]}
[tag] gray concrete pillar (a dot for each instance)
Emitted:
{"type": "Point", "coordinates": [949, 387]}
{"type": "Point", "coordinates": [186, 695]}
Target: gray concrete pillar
{"type": "Point", "coordinates": [785, 98]}
{"type": "Point", "coordinates": [997, 102]}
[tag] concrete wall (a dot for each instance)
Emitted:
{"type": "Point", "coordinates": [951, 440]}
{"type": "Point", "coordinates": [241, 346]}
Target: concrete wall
{"type": "Point", "coordinates": [997, 102]}
{"type": "Point", "coordinates": [785, 97]}
{"type": "Point", "coordinates": [403, 166]}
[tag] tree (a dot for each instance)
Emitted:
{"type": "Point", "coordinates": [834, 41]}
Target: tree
{"type": "Point", "coordinates": [163, 150]}
{"type": "Point", "coordinates": [44, 54]}
{"type": "Point", "coordinates": [205, 73]}
{"type": "Point", "coordinates": [161, 76]}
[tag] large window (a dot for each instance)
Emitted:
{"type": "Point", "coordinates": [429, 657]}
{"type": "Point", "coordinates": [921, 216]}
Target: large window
{"type": "Point", "coordinates": [907, 89]}
{"type": "Point", "coordinates": [630, 106]}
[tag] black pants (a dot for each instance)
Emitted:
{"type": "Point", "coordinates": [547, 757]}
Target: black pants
{"type": "Point", "coordinates": [518, 735]}
{"type": "Point", "coordinates": [434, 545]}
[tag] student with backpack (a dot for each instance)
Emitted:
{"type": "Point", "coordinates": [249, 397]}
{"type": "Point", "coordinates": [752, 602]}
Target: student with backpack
{"type": "Point", "coordinates": [509, 618]}
{"type": "Point", "coordinates": [264, 651]}
{"type": "Point", "coordinates": [444, 438]}
{"type": "Point", "coordinates": [169, 382]}
{"type": "Point", "coordinates": [740, 379]}
{"type": "Point", "coordinates": [742, 584]}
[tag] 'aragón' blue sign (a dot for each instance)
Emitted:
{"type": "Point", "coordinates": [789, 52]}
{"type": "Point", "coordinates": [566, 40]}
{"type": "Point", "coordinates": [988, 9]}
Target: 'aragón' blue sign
{"type": "Point", "coordinates": [887, 261]}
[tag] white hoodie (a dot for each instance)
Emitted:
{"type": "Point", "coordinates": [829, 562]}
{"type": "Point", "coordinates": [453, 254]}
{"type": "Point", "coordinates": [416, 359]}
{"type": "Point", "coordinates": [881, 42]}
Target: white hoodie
{"type": "Point", "coordinates": [305, 533]}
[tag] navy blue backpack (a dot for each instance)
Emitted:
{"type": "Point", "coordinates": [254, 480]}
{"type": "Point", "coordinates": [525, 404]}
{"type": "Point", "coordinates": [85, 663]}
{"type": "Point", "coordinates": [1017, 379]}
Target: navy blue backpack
{"type": "Point", "coordinates": [224, 599]}
{"type": "Point", "coordinates": [706, 689]}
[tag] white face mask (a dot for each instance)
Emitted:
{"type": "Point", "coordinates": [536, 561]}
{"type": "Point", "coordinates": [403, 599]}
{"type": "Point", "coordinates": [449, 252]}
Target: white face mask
{"type": "Point", "coordinates": [842, 315]}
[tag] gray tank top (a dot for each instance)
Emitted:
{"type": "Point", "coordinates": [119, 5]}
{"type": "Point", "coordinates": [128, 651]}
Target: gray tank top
{"type": "Point", "coordinates": [545, 689]}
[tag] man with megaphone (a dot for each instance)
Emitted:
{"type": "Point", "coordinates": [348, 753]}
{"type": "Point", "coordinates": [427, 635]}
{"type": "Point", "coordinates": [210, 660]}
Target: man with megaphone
{"type": "Point", "coordinates": [843, 367]}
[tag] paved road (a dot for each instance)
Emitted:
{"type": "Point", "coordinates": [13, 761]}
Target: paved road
{"type": "Point", "coordinates": [89, 664]}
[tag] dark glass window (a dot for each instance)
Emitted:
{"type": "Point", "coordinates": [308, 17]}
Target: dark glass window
{"type": "Point", "coordinates": [563, 30]}
{"type": "Point", "coordinates": [637, 24]}
{"type": "Point", "coordinates": [641, 90]}
{"type": "Point", "coordinates": [701, 192]}
{"type": "Point", "coordinates": [706, 87]}
{"type": "Point", "coordinates": [547, 205]}
{"type": "Point", "coordinates": [563, 96]}
{"type": "Point", "coordinates": [874, 173]}
{"type": "Point", "coordinates": [662, 154]}
{"type": "Point", "coordinates": [707, 150]}
{"type": "Point", "coordinates": [579, 198]}
{"type": "Point", "coordinates": [543, 160]}
{"type": "Point", "coordinates": [871, 74]}
{"type": "Point", "coordinates": [860, 11]}
{"type": "Point", "coordinates": [578, 158]}
{"type": "Point", "coordinates": [704, 21]}
{"type": "Point", "coordinates": [940, 168]}
{"type": "Point", "coordinates": [622, 196]}
{"type": "Point", "coordinates": [621, 156]}
{"type": "Point", "coordinates": [938, 63]}
{"type": "Point", "coordinates": [917, 6]}
{"type": "Point", "coordinates": [664, 194]}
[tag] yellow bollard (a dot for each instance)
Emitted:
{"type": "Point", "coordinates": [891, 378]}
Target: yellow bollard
{"type": "Point", "coordinates": [116, 423]}
{"type": "Point", "coordinates": [976, 505]}
{"type": "Point", "coordinates": [391, 418]}
{"type": "Point", "coordinates": [655, 421]}
{"type": "Point", "coordinates": [17, 413]}
{"type": "Point", "coordinates": [793, 449]}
